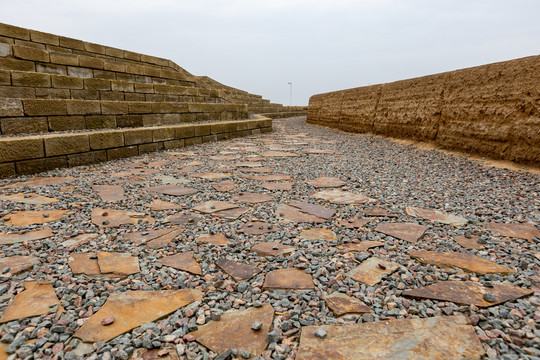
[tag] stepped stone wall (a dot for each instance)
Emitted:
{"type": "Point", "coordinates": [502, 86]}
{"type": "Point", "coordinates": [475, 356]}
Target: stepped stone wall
{"type": "Point", "coordinates": [491, 110]}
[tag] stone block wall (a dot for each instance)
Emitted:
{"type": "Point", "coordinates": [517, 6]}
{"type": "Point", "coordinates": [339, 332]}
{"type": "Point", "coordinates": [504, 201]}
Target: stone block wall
{"type": "Point", "coordinates": [491, 110]}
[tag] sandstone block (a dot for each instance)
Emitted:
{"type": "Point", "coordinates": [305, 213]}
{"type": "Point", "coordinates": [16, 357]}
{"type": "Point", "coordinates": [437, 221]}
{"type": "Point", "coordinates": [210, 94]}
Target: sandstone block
{"type": "Point", "coordinates": [114, 52]}
{"type": "Point", "coordinates": [71, 43]}
{"type": "Point", "coordinates": [84, 94]}
{"type": "Point", "coordinates": [144, 88]}
{"type": "Point", "coordinates": [100, 122]}
{"type": "Point", "coordinates": [94, 48]}
{"type": "Point", "coordinates": [135, 69]}
{"type": "Point", "coordinates": [183, 132]}
{"type": "Point", "coordinates": [91, 62]}
{"type": "Point", "coordinates": [50, 93]}
{"type": "Point", "coordinates": [152, 119]}
{"type": "Point", "coordinates": [137, 136]}
{"type": "Point", "coordinates": [87, 158]}
{"type": "Point", "coordinates": [66, 123]}
{"type": "Point", "coordinates": [121, 86]}
{"type": "Point", "coordinates": [83, 107]}
{"type": "Point", "coordinates": [66, 82]}
{"type": "Point", "coordinates": [112, 96]}
{"type": "Point", "coordinates": [202, 130]}
{"type": "Point", "coordinates": [174, 144]}
{"type": "Point", "coordinates": [140, 108]}
{"type": "Point", "coordinates": [40, 165]}
{"type": "Point", "coordinates": [7, 169]}
{"type": "Point", "coordinates": [102, 74]}
{"type": "Point", "coordinates": [124, 121]}
{"type": "Point", "coordinates": [14, 149]}
{"type": "Point", "coordinates": [80, 72]}
{"type": "Point", "coordinates": [41, 107]}
{"type": "Point", "coordinates": [193, 141]}
{"type": "Point", "coordinates": [132, 56]}
{"type": "Point", "coordinates": [133, 97]}
{"type": "Point", "coordinates": [66, 144]}
{"type": "Point", "coordinates": [171, 119]}
{"type": "Point", "coordinates": [97, 84]}
{"type": "Point", "coordinates": [11, 107]}
{"type": "Point", "coordinates": [123, 152]}
{"type": "Point", "coordinates": [148, 148]}
{"type": "Point", "coordinates": [44, 38]}
{"type": "Point", "coordinates": [5, 49]}
{"type": "Point", "coordinates": [51, 69]}
{"type": "Point", "coordinates": [16, 32]}
{"type": "Point", "coordinates": [16, 64]}
{"type": "Point", "coordinates": [23, 125]}
{"type": "Point", "coordinates": [114, 66]}
{"type": "Point", "coordinates": [163, 133]}
{"type": "Point", "coordinates": [30, 53]}
{"type": "Point", "coordinates": [218, 128]}
{"type": "Point", "coordinates": [114, 107]}
{"type": "Point", "coordinates": [106, 140]}
{"type": "Point", "coordinates": [64, 59]}
{"type": "Point", "coordinates": [17, 92]}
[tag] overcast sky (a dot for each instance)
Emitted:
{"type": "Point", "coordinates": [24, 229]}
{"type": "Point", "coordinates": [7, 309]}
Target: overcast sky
{"type": "Point", "coordinates": [318, 45]}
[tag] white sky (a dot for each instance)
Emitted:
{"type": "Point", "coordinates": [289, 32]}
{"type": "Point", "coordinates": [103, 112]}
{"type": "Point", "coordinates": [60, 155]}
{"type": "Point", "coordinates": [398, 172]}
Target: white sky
{"type": "Point", "coordinates": [319, 45]}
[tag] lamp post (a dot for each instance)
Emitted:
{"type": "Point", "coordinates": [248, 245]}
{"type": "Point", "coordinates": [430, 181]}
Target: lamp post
{"type": "Point", "coordinates": [290, 93]}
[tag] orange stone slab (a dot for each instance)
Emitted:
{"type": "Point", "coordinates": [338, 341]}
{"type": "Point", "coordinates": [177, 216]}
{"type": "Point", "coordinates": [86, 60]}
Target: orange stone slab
{"type": "Point", "coordinates": [132, 309]}
{"type": "Point", "coordinates": [318, 234]}
{"type": "Point", "coordinates": [118, 263]}
{"type": "Point", "coordinates": [256, 228]}
{"type": "Point", "coordinates": [134, 172]}
{"type": "Point", "coordinates": [436, 215]}
{"type": "Point", "coordinates": [354, 223]}
{"type": "Point", "coordinates": [236, 270]}
{"type": "Point", "coordinates": [84, 264]}
{"type": "Point", "coordinates": [231, 214]}
{"type": "Point", "coordinates": [40, 181]}
{"type": "Point", "coordinates": [23, 218]}
{"type": "Point", "coordinates": [37, 299]}
{"type": "Point", "coordinates": [8, 239]}
{"type": "Point", "coordinates": [182, 261]}
{"type": "Point", "coordinates": [327, 182]}
{"type": "Point", "coordinates": [295, 215]}
{"type": "Point", "coordinates": [155, 354]}
{"type": "Point", "coordinates": [468, 293]}
{"type": "Point", "coordinates": [379, 212]}
{"type": "Point", "coordinates": [520, 231]}
{"type": "Point", "coordinates": [251, 198]}
{"type": "Point", "coordinates": [464, 261]}
{"type": "Point", "coordinates": [283, 186]}
{"type": "Point", "coordinates": [272, 248]}
{"type": "Point", "coordinates": [405, 231]}
{"type": "Point", "coordinates": [249, 164]}
{"type": "Point", "coordinates": [216, 239]}
{"type": "Point", "coordinates": [273, 177]}
{"type": "Point", "coordinates": [74, 242]}
{"type": "Point", "coordinates": [116, 218]}
{"type": "Point", "coordinates": [359, 247]}
{"type": "Point", "coordinates": [372, 270]}
{"type": "Point", "coordinates": [183, 219]}
{"type": "Point", "coordinates": [212, 175]}
{"type": "Point", "coordinates": [209, 207]}
{"type": "Point", "coordinates": [225, 157]}
{"type": "Point", "coordinates": [313, 209]}
{"type": "Point", "coordinates": [17, 263]}
{"type": "Point", "coordinates": [469, 243]}
{"type": "Point", "coordinates": [341, 304]}
{"type": "Point", "coordinates": [154, 238]}
{"type": "Point", "coordinates": [261, 170]}
{"type": "Point", "coordinates": [293, 279]}
{"type": "Point", "coordinates": [224, 186]}
{"type": "Point", "coordinates": [340, 197]}
{"type": "Point", "coordinates": [173, 190]}
{"type": "Point", "coordinates": [160, 205]}
{"type": "Point", "coordinates": [278, 154]}
{"type": "Point", "coordinates": [318, 152]}
{"type": "Point", "coordinates": [234, 331]}
{"type": "Point", "coordinates": [28, 198]}
{"type": "Point", "coordinates": [110, 192]}
{"type": "Point", "coordinates": [434, 338]}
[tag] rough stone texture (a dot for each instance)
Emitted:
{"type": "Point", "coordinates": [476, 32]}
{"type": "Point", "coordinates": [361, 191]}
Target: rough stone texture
{"type": "Point", "coordinates": [490, 110]}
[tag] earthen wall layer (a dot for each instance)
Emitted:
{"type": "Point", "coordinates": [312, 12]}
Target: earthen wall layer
{"type": "Point", "coordinates": [491, 110]}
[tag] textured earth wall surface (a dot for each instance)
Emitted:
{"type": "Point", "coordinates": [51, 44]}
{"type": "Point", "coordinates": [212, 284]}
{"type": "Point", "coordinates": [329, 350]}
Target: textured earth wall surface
{"type": "Point", "coordinates": [492, 110]}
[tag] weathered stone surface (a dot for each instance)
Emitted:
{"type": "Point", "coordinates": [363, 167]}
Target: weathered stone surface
{"type": "Point", "coordinates": [118, 263]}
{"type": "Point", "coordinates": [28, 198]}
{"type": "Point", "coordinates": [295, 215]}
{"type": "Point", "coordinates": [278, 154]}
{"type": "Point", "coordinates": [132, 309]}
{"type": "Point", "coordinates": [135, 172]}
{"type": "Point", "coordinates": [293, 279]}
{"type": "Point", "coordinates": [379, 212]}
{"type": "Point", "coordinates": [436, 215]}
{"type": "Point", "coordinates": [236, 270]}
{"type": "Point", "coordinates": [116, 218]}
{"type": "Point", "coordinates": [469, 243]}
{"type": "Point", "coordinates": [353, 223]}
{"type": "Point", "coordinates": [212, 206]}
{"type": "Point", "coordinates": [160, 205]}
{"type": "Point", "coordinates": [256, 228]}
{"type": "Point", "coordinates": [37, 299]}
{"type": "Point", "coordinates": [520, 231]}
{"type": "Point", "coordinates": [468, 293]}
{"type": "Point", "coordinates": [154, 238]}
{"type": "Point", "coordinates": [249, 164]}
{"type": "Point", "coordinates": [224, 186]}
{"type": "Point", "coordinates": [182, 261]}
{"type": "Point", "coordinates": [173, 190]}
{"type": "Point", "coordinates": [274, 177]}
{"type": "Point", "coordinates": [212, 175]}
{"type": "Point", "coordinates": [336, 196]}
{"type": "Point", "coordinates": [251, 198]}
{"type": "Point", "coordinates": [234, 331]}
{"type": "Point", "coordinates": [284, 186]}
{"type": "Point", "coordinates": [215, 239]}
{"type": "Point", "coordinates": [313, 209]}
{"type": "Point", "coordinates": [272, 248]}
{"type": "Point", "coordinates": [155, 354]}
{"type": "Point", "coordinates": [110, 192]}
{"type": "Point", "coordinates": [74, 242]}
{"type": "Point", "coordinates": [464, 261]}
{"type": "Point", "coordinates": [318, 152]}
{"type": "Point", "coordinates": [183, 219]}
{"type": "Point", "coordinates": [230, 214]}
{"type": "Point", "coordinates": [7, 239]}
{"type": "Point", "coordinates": [327, 182]}
{"type": "Point", "coordinates": [341, 304]}
{"type": "Point", "coordinates": [435, 338]}
{"type": "Point", "coordinates": [372, 270]}
{"type": "Point", "coordinates": [84, 264]}
{"type": "Point", "coordinates": [23, 218]}
{"type": "Point", "coordinates": [17, 263]}
{"type": "Point", "coordinates": [318, 234]}
{"type": "Point", "coordinates": [405, 231]}
{"type": "Point", "coordinates": [361, 246]}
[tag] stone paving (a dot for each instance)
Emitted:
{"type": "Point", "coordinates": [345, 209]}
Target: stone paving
{"type": "Point", "coordinates": [304, 243]}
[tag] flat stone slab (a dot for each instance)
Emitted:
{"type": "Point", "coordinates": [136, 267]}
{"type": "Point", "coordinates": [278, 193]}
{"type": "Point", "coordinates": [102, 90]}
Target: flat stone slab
{"type": "Point", "coordinates": [469, 243]}
{"type": "Point", "coordinates": [405, 231]}
{"type": "Point", "coordinates": [464, 261]}
{"type": "Point", "coordinates": [18, 263]}
{"type": "Point", "coordinates": [110, 192]}
{"type": "Point", "coordinates": [291, 279]}
{"type": "Point", "coordinates": [28, 198]}
{"type": "Point", "coordinates": [84, 264]}
{"type": "Point", "coordinates": [256, 228]}
{"type": "Point", "coordinates": [224, 186]}
{"type": "Point", "coordinates": [251, 198]}
{"type": "Point", "coordinates": [318, 234]}
{"type": "Point", "coordinates": [327, 182]}
{"type": "Point", "coordinates": [118, 263]}
{"type": "Point", "coordinates": [468, 293]}
{"type": "Point", "coordinates": [236, 270]}
{"type": "Point", "coordinates": [225, 157]}
{"type": "Point", "coordinates": [296, 216]}
{"type": "Point", "coordinates": [167, 180]}
{"type": "Point", "coordinates": [115, 218]}
{"type": "Point", "coordinates": [359, 247]}
{"type": "Point", "coordinates": [234, 331]}
{"type": "Point", "coordinates": [312, 209]}
{"type": "Point", "coordinates": [212, 175]}
{"type": "Point", "coordinates": [340, 197]}
{"type": "Point", "coordinates": [154, 238]}
{"type": "Point", "coordinates": [434, 338]}
{"type": "Point", "coordinates": [379, 212]}
{"type": "Point", "coordinates": [520, 231]}
{"type": "Point", "coordinates": [354, 223]}
{"type": "Point", "coordinates": [212, 239]}
{"type": "Point", "coordinates": [74, 242]}
{"type": "Point", "coordinates": [372, 270]}
{"type": "Point", "coordinates": [261, 170]}
{"type": "Point", "coordinates": [277, 186]}
{"type": "Point", "coordinates": [272, 177]}
{"type": "Point", "coordinates": [272, 248]}
{"type": "Point", "coordinates": [278, 154]}
{"type": "Point", "coordinates": [231, 214]}
{"type": "Point", "coordinates": [249, 164]}
{"type": "Point", "coordinates": [37, 299]}
{"type": "Point", "coordinates": [182, 261]}
{"type": "Point", "coordinates": [24, 218]}
{"type": "Point", "coordinates": [210, 207]}
{"type": "Point", "coordinates": [40, 181]}
{"type": "Point", "coordinates": [173, 190]}
{"type": "Point", "coordinates": [436, 215]}
{"type": "Point", "coordinates": [155, 354]}
{"type": "Point", "coordinates": [342, 304]}
{"type": "Point", "coordinates": [160, 205]}
{"type": "Point", "coordinates": [131, 309]}
{"type": "Point", "coordinates": [8, 239]}
{"type": "Point", "coordinates": [135, 172]}
{"type": "Point", "coordinates": [183, 219]}
{"type": "Point", "coordinates": [318, 152]}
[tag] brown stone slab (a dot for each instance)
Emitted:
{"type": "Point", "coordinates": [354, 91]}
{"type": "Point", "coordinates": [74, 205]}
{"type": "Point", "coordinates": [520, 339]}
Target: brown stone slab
{"type": "Point", "coordinates": [434, 338]}
{"type": "Point", "coordinates": [174, 190]}
{"type": "Point", "coordinates": [278, 154]}
{"type": "Point", "coordinates": [28, 198]}
{"type": "Point", "coordinates": [318, 234]}
{"type": "Point", "coordinates": [313, 209]}
{"type": "Point", "coordinates": [134, 308]}
{"type": "Point", "coordinates": [272, 248]}
{"type": "Point", "coordinates": [110, 192]}
{"type": "Point", "coordinates": [40, 181]}
{"type": "Point", "coordinates": [436, 215]}
{"type": "Point", "coordinates": [254, 158]}
{"type": "Point", "coordinates": [212, 175]}
{"type": "Point", "coordinates": [118, 263]}
{"type": "Point", "coordinates": [231, 214]}
{"type": "Point", "coordinates": [160, 205]}
{"type": "Point", "coordinates": [273, 177]}
{"type": "Point", "coordinates": [209, 207]}
{"type": "Point", "coordinates": [405, 231]}
{"type": "Point", "coordinates": [468, 293]}
{"type": "Point", "coordinates": [17, 264]}
{"type": "Point", "coordinates": [74, 242]}
{"type": "Point", "coordinates": [359, 247]}
{"type": "Point", "coordinates": [23, 218]}
{"type": "Point", "coordinates": [183, 219]}
{"type": "Point", "coordinates": [134, 172]}
{"type": "Point", "coordinates": [520, 231]}
{"type": "Point", "coordinates": [84, 264]}
{"type": "Point", "coordinates": [225, 157]}
{"type": "Point", "coordinates": [234, 331]}
{"type": "Point", "coordinates": [8, 239]}
{"type": "Point", "coordinates": [37, 299]}
{"type": "Point", "coordinates": [293, 279]}
{"type": "Point", "coordinates": [182, 261]}
{"type": "Point", "coordinates": [224, 186]}
{"type": "Point", "coordinates": [354, 223]}
{"type": "Point", "coordinates": [116, 218]}
{"type": "Point", "coordinates": [341, 304]}
{"type": "Point", "coordinates": [327, 182]}
{"type": "Point", "coordinates": [261, 170]}
{"type": "Point", "coordinates": [318, 152]}
{"type": "Point", "coordinates": [159, 163]}
{"type": "Point", "coordinates": [372, 270]}
{"type": "Point", "coordinates": [171, 180]}
{"type": "Point", "coordinates": [256, 228]}
{"type": "Point", "coordinates": [165, 239]}
{"type": "Point", "coordinates": [186, 170]}
{"type": "Point", "coordinates": [143, 237]}
{"type": "Point", "coordinates": [155, 354]}
{"type": "Point", "coordinates": [379, 212]}
{"type": "Point", "coordinates": [236, 270]}
{"type": "Point", "coordinates": [464, 261]}
{"type": "Point", "coordinates": [249, 164]}
{"type": "Point", "coordinates": [212, 239]}
{"type": "Point", "coordinates": [469, 243]}
{"type": "Point", "coordinates": [283, 186]}
{"type": "Point", "coordinates": [194, 163]}
{"type": "Point", "coordinates": [340, 197]}
{"type": "Point", "coordinates": [296, 216]}
{"type": "Point", "coordinates": [252, 198]}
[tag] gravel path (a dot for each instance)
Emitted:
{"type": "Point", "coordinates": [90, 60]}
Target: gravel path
{"type": "Point", "coordinates": [394, 176]}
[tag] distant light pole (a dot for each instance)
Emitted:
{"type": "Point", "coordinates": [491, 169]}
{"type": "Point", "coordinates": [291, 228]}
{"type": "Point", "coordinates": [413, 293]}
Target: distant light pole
{"type": "Point", "coordinates": [290, 94]}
